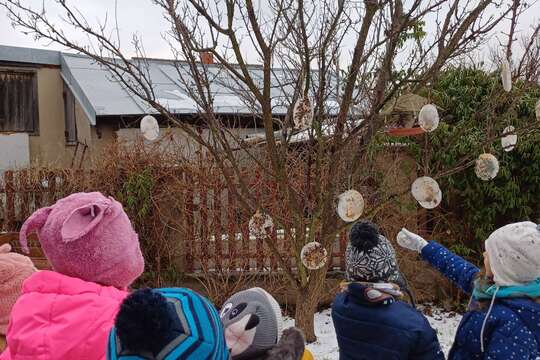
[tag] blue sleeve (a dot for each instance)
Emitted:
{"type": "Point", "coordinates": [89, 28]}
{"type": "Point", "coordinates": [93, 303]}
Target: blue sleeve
{"type": "Point", "coordinates": [454, 267]}
{"type": "Point", "coordinates": [428, 347]}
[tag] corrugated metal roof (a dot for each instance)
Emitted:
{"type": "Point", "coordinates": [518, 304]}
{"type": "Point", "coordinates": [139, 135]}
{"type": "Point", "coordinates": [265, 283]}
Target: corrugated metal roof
{"type": "Point", "coordinates": [100, 94]}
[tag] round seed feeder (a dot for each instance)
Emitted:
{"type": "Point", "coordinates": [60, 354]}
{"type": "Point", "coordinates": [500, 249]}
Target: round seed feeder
{"type": "Point", "coordinates": [427, 192]}
{"type": "Point", "coordinates": [149, 128]}
{"type": "Point", "coordinates": [509, 140]}
{"type": "Point", "coordinates": [350, 205]}
{"type": "Point", "coordinates": [313, 255]}
{"type": "Point", "coordinates": [428, 118]}
{"type": "Point", "coordinates": [260, 224]}
{"type": "Point", "coordinates": [487, 167]}
{"type": "Point", "coordinates": [303, 113]}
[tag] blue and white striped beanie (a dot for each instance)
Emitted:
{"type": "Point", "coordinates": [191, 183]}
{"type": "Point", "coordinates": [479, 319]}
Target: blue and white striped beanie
{"type": "Point", "coordinates": [167, 324]}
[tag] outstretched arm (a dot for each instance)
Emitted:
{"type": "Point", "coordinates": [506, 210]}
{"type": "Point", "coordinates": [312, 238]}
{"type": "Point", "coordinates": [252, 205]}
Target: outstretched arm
{"type": "Point", "coordinates": [452, 266]}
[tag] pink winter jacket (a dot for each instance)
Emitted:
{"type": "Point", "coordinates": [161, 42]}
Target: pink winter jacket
{"type": "Point", "coordinates": [60, 317]}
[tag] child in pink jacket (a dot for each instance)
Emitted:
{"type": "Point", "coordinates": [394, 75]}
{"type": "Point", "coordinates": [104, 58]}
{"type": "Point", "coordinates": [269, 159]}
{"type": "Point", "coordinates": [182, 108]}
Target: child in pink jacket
{"type": "Point", "coordinates": [68, 313]}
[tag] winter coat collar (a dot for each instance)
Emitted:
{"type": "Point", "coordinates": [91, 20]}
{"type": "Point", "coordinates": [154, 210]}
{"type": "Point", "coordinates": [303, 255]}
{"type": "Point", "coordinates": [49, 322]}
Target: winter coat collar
{"type": "Point", "coordinates": [372, 294]}
{"type": "Point", "coordinates": [529, 290]}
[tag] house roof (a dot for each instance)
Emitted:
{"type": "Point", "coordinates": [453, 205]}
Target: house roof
{"type": "Point", "coordinates": [99, 94]}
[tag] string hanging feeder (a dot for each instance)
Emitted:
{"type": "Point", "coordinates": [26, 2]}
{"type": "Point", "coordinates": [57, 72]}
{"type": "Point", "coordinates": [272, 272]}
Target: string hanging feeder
{"type": "Point", "coordinates": [428, 118]}
{"type": "Point", "coordinates": [303, 113]}
{"type": "Point", "coordinates": [509, 138]}
{"type": "Point", "coordinates": [149, 128]}
{"type": "Point", "coordinates": [427, 192]}
{"type": "Point", "coordinates": [260, 224]}
{"type": "Point", "coordinates": [506, 75]}
{"type": "Point", "coordinates": [313, 255]}
{"type": "Point", "coordinates": [350, 205]}
{"type": "Point", "coordinates": [487, 167]}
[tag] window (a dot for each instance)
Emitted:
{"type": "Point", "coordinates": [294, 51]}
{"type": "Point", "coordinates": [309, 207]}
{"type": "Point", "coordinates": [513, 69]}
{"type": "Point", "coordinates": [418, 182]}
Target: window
{"type": "Point", "coordinates": [18, 101]}
{"type": "Point", "coordinates": [70, 117]}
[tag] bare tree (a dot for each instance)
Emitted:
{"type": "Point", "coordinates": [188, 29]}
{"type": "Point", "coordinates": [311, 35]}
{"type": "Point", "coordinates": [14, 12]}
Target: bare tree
{"type": "Point", "coordinates": [386, 46]}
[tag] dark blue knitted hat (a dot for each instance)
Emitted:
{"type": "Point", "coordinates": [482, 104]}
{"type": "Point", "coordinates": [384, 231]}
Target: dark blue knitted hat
{"type": "Point", "coordinates": [167, 324]}
{"type": "Point", "coordinates": [369, 255]}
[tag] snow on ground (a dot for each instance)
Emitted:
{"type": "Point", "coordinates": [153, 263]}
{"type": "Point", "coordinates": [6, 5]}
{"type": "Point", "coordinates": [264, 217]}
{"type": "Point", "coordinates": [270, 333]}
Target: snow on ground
{"type": "Point", "coordinates": [326, 348]}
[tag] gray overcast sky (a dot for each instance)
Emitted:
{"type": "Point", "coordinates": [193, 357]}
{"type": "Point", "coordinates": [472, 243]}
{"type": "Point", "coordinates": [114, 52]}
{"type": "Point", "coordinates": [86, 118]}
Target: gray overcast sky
{"type": "Point", "coordinates": [144, 18]}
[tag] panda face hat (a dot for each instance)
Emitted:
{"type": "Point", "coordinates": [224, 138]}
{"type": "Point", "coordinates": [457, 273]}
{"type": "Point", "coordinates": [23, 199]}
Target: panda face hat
{"type": "Point", "coordinates": [253, 323]}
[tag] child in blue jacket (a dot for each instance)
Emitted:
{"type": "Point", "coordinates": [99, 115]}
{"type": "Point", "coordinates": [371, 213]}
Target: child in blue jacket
{"type": "Point", "coordinates": [503, 321]}
{"type": "Point", "coordinates": [371, 320]}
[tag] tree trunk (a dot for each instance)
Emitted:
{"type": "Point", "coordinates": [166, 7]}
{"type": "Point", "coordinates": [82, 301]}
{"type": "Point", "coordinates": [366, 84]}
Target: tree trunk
{"type": "Point", "coordinates": [307, 300]}
{"type": "Point", "coordinates": [306, 305]}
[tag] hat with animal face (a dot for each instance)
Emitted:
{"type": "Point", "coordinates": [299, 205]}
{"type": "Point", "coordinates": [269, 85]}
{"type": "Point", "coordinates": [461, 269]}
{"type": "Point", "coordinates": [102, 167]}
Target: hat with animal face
{"type": "Point", "coordinates": [253, 323]}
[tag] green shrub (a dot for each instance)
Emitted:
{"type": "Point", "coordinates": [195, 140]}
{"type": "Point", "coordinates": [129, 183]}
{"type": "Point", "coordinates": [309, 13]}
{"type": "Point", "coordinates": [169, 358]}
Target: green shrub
{"type": "Point", "coordinates": [474, 108]}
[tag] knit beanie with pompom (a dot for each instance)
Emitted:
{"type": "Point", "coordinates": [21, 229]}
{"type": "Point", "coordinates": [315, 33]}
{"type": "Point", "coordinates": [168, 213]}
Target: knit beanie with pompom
{"type": "Point", "coordinates": [370, 256]}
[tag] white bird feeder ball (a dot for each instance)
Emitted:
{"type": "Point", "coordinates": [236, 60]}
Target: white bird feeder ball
{"type": "Point", "coordinates": [350, 205]}
{"type": "Point", "coordinates": [149, 128]}
{"type": "Point", "coordinates": [260, 224]}
{"type": "Point", "coordinates": [537, 110]}
{"type": "Point", "coordinates": [427, 192]}
{"type": "Point", "coordinates": [506, 75]}
{"type": "Point", "coordinates": [303, 113]}
{"type": "Point", "coordinates": [509, 140]}
{"type": "Point", "coordinates": [487, 167]}
{"type": "Point", "coordinates": [313, 255]}
{"type": "Point", "coordinates": [428, 118]}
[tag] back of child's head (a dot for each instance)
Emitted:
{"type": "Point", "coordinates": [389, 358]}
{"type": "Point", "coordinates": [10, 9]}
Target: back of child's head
{"type": "Point", "coordinates": [88, 236]}
{"type": "Point", "coordinates": [514, 253]}
{"type": "Point", "coordinates": [14, 269]}
{"type": "Point", "coordinates": [253, 323]}
{"type": "Point", "coordinates": [174, 323]}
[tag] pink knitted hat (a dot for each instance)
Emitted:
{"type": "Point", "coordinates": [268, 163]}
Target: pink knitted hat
{"type": "Point", "coordinates": [14, 269]}
{"type": "Point", "coordinates": [88, 236]}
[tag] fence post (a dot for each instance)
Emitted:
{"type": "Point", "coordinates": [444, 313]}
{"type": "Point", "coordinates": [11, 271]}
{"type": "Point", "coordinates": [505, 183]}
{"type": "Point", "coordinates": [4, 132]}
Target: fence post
{"type": "Point", "coordinates": [190, 217]}
{"type": "Point", "coordinates": [9, 212]}
{"type": "Point", "coordinates": [218, 239]}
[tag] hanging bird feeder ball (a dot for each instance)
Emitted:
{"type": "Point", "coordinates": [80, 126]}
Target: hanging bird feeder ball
{"type": "Point", "coordinates": [487, 167]}
{"type": "Point", "coordinates": [428, 118]}
{"type": "Point", "coordinates": [427, 192]}
{"type": "Point", "coordinates": [149, 128]}
{"type": "Point", "coordinates": [350, 205]}
{"type": "Point", "coordinates": [303, 113]}
{"type": "Point", "coordinates": [509, 139]}
{"type": "Point", "coordinates": [260, 224]}
{"type": "Point", "coordinates": [313, 255]}
{"type": "Point", "coordinates": [506, 75]}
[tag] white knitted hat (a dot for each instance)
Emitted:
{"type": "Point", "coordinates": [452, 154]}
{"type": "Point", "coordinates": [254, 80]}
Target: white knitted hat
{"type": "Point", "coordinates": [514, 253]}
